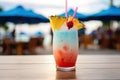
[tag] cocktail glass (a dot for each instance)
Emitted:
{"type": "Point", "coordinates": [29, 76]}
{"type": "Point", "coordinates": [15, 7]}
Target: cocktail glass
{"type": "Point", "coordinates": [65, 48]}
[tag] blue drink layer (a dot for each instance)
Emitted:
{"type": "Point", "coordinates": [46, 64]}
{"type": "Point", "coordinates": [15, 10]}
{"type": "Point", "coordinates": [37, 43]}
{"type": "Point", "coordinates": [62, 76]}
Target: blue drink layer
{"type": "Point", "coordinates": [67, 37]}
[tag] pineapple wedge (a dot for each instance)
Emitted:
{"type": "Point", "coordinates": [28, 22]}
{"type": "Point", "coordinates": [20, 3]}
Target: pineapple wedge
{"type": "Point", "coordinates": [78, 24]}
{"type": "Point", "coordinates": [56, 22]}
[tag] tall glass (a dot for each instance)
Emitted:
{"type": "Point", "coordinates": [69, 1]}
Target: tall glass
{"type": "Point", "coordinates": [65, 49]}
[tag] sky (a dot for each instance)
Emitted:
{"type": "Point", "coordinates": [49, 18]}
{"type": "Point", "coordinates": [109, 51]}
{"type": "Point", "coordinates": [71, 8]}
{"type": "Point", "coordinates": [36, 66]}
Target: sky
{"type": "Point", "coordinates": [55, 7]}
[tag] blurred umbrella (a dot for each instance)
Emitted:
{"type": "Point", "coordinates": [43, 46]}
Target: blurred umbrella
{"type": "Point", "coordinates": [112, 13]}
{"type": "Point", "coordinates": [21, 15]}
{"type": "Point", "coordinates": [78, 15]}
{"type": "Point", "coordinates": [39, 33]}
{"type": "Point", "coordinates": [23, 33]}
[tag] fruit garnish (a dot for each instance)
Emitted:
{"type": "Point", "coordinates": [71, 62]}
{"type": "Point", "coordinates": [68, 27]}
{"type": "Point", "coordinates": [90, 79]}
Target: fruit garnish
{"type": "Point", "coordinates": [75, 22]}
{"type": "Point", "coordinates": [70, 24]}
{"type": "Point", "coordinates": [70, 18]}
{"type": "Point", "coordinates": [78, 24]}
{"type": "Point", "coordinates": [56, 22]}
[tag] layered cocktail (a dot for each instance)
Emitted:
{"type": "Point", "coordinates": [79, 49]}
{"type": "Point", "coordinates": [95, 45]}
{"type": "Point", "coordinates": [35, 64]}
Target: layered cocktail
{"type": "Point", "coordinates": [65, 41]}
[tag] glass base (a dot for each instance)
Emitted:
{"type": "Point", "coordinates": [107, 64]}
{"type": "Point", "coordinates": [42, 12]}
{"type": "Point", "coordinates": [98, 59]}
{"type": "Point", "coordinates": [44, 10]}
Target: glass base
{"type": "Point", "coordinates": [65, 68]}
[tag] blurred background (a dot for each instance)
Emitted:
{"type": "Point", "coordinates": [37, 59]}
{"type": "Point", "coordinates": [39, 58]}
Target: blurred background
{"type": "Point", "coordinates": [25, 27]}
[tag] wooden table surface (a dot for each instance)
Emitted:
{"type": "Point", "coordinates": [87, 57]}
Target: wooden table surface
{"type": "Point", "coordinates": [42, 67]}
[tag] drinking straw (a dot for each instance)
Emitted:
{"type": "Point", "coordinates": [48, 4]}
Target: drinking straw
{"type": "Point", "coordinates": [74, 13]}
{"type": "Point", "coordinates": [66, 9]}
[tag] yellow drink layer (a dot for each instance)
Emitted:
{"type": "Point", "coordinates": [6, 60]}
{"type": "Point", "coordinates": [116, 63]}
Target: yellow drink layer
{"type": "Point", "coordinates": [57, 22]}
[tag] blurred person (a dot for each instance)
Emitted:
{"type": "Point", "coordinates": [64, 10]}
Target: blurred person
{"type": "Point", "coordinates": [109, 34]}
{"type": "Point", "coordinates": [99, 33]}
{"type": "Point", "coordinates": [9, 44]}
{"type": "Point", "coordinates": [94, 34]}
{"type": "Point", "coordinates": [13, 34]}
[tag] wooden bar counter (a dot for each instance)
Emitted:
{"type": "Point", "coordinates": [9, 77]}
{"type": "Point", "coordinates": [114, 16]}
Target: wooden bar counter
{"type": "Point", "coordinates": [42, 67]}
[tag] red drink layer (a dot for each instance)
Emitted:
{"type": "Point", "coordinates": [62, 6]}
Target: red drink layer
{"type": "Point", "coordinates": [65, 57]}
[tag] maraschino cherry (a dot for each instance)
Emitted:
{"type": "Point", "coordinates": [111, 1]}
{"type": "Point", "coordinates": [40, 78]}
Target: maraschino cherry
{"type": "Point", "coordinates": [69, 24]}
